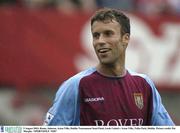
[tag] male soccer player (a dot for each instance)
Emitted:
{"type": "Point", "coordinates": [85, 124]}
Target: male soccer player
{"type": "Point", "coordinates": [108, 94]}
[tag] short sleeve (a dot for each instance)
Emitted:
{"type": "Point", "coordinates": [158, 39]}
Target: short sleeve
{"type": "Point", "coordinates": [160, 116]}
{"type": "Point", "coordinates": [65, 109]}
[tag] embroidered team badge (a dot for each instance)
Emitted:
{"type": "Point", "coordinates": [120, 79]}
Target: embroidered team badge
{"type": "Point", "coordinates": [138, 98]}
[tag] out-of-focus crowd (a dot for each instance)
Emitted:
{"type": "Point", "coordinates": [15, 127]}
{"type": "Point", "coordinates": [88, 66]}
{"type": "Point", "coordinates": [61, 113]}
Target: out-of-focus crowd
{"type": "Point", "coordinates": [148, 7]}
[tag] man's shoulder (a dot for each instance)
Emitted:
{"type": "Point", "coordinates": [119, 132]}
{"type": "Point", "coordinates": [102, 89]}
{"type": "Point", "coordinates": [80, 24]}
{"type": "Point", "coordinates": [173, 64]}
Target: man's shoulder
{"type": "Point", "coordinates": [143, 76]}
{"type": "Point", "coordinates": [134, 73]}
{"type": "Point", "coordinates": [72, 83]}
{"type": "Point", "coordinates": [80, 75]}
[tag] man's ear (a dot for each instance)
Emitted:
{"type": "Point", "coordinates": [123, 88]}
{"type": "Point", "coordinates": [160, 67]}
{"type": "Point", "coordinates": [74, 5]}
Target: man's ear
{"type": "Point", "coordinates": [126, 38]}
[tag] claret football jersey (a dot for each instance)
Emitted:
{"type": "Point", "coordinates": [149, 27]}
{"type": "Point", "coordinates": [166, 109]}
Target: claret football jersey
{"type": "Point", "coordinates": [92, 99]}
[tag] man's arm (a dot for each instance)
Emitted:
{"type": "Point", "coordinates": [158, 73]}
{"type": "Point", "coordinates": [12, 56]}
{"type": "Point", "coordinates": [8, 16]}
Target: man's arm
{"type": "Point", "coordinates": [65, 109]}
{"type": "Point", "coordinates": [160, 116]}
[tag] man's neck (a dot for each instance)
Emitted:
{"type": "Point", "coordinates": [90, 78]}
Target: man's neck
{"type": "Point", "coordinates": [111, 70]}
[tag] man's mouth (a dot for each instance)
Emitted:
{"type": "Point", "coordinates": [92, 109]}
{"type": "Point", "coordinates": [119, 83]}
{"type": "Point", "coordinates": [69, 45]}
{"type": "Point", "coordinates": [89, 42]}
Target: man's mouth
{"type": "Point", "coordinates": [104, 50]}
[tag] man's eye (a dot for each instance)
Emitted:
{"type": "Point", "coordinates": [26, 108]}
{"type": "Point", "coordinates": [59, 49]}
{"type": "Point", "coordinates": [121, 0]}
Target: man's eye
{"type": "Point", "coordinates": [108, 33]}
{"type": "Point", "coordinates": [95, 35]}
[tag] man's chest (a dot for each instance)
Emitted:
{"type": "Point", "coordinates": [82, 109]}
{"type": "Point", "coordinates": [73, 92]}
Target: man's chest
{"type": "Point", "coordinates": [114, 101]}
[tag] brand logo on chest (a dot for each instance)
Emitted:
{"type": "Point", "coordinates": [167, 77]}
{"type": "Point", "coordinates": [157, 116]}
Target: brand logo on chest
{"type": "Point", "coordinates": [93, 99]}
{"type": "Point", "coordinates": [138, 98]}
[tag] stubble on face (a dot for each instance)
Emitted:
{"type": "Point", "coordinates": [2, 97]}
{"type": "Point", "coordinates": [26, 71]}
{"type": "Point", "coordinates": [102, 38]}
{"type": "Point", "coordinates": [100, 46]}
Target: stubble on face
{"type": "Point", "coordinates": [107, 42]}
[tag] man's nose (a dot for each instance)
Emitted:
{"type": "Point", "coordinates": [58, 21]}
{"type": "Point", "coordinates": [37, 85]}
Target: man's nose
{"type": "Point", "coordinates": [101, 39]}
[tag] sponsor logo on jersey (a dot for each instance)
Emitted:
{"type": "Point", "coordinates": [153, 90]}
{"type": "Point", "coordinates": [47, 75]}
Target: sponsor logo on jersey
{"type": "Point", "coordinates": [138, 98]}
{"type": "Point", "coordinates": [94, 99]}
{"type": "Point", "coordinates": [120, 122]}
{"type": "Point", "coordinates": [48, 118]}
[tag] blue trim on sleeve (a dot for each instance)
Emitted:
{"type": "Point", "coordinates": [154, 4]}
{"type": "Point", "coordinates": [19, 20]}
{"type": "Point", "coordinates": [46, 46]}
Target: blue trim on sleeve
{"type": "Point", "coordinates": [160, 116]}
{"type": "Point", "coordinates": [65, 109]}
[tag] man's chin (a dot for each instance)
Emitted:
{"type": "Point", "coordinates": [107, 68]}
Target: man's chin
{"type": "Point", "coordinates": [106, 62]}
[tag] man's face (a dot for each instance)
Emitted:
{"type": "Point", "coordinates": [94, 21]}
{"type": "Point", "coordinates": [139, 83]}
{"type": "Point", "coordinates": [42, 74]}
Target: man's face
{"type": "Point", "coordinates": [108, 42]}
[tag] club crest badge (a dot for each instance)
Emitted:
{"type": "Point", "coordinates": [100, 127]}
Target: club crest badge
{"type": "Point", "coordinates": [138, 98]}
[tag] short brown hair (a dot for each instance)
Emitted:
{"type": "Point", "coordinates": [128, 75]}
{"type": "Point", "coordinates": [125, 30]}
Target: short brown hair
{"type": "Point", "coordinates": [112, 14]}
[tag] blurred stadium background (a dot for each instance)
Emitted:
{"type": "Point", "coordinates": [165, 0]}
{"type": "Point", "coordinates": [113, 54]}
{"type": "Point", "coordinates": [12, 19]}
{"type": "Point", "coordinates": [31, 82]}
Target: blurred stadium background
{"type": "Point", "coordinates": [44, 42]}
